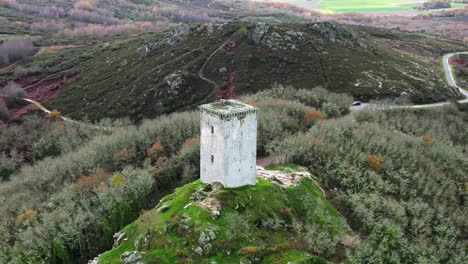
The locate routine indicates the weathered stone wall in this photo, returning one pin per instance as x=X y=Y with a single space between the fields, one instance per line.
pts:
x=211 y=144
x=233 y=146
x=240 y=144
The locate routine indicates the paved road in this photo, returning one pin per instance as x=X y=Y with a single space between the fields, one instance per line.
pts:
x=451 y=82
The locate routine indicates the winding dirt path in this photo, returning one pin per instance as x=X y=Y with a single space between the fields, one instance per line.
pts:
x=66 y=119
x=202 y=76
x=267 y=161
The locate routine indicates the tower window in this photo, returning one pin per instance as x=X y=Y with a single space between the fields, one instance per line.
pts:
x=212 y=129
x=212 y=158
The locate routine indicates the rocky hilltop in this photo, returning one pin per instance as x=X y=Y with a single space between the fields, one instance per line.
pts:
x=210 y=224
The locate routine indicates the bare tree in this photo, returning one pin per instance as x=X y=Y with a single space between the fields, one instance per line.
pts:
x=47 y=27
x=13 y=50
x=13 y=93
x=4 y=115
x=47 y=11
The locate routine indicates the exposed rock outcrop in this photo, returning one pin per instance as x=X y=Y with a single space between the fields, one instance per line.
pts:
x=206 y=199
x=281 y=178
x=175 y=81
x=131 y=257
x=118 y=238
x=258 y=32
x=175 y=35
x=275 y=38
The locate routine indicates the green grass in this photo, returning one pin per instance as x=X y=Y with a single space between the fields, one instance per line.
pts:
x=169 y=242
x=341 y=6
x=10 y=36
x=283 y=167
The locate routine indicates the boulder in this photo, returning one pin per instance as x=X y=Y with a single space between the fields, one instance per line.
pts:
x=175 y=81
x=94 y=261
x=258 y=32
x=131 y=257
x=281 y=178
x=118 y=238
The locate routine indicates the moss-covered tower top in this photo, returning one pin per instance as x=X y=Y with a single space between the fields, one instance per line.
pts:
x=228 y=108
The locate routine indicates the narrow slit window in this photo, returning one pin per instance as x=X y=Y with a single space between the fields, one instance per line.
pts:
x=212 y=129
x=212 y=158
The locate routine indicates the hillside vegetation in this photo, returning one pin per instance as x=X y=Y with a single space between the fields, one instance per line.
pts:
x=460 y=65
x=101 y=58
x=158 y=73
x=395 y=176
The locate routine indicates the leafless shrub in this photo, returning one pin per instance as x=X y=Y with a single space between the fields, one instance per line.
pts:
x=47 y=27
x=82 y=15
x=13 y=50
x=13 y=93
x=47 y=11
x=4 y=115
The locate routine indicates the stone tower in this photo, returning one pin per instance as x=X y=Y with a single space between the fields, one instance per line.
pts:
x=228 y=143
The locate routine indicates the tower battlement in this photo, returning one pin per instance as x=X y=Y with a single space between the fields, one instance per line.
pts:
x=228 y=108
x=228 y=143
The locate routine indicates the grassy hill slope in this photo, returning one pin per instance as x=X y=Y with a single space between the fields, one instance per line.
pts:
x=158 y=73
x=256 y=223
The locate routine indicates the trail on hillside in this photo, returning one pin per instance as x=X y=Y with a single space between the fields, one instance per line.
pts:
x=446 y=65
x=66 y=119
x=202 y=76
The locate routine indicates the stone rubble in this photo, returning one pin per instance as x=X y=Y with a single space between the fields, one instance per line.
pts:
x=131 y=257
x=284 y=179
x=118 y=238
x=204 y=197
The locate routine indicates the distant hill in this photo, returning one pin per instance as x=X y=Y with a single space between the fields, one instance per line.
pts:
x=158 y=73
x=148 y=74
x=107 y=58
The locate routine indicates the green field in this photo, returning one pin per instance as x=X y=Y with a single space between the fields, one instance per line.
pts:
x=340 y=6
